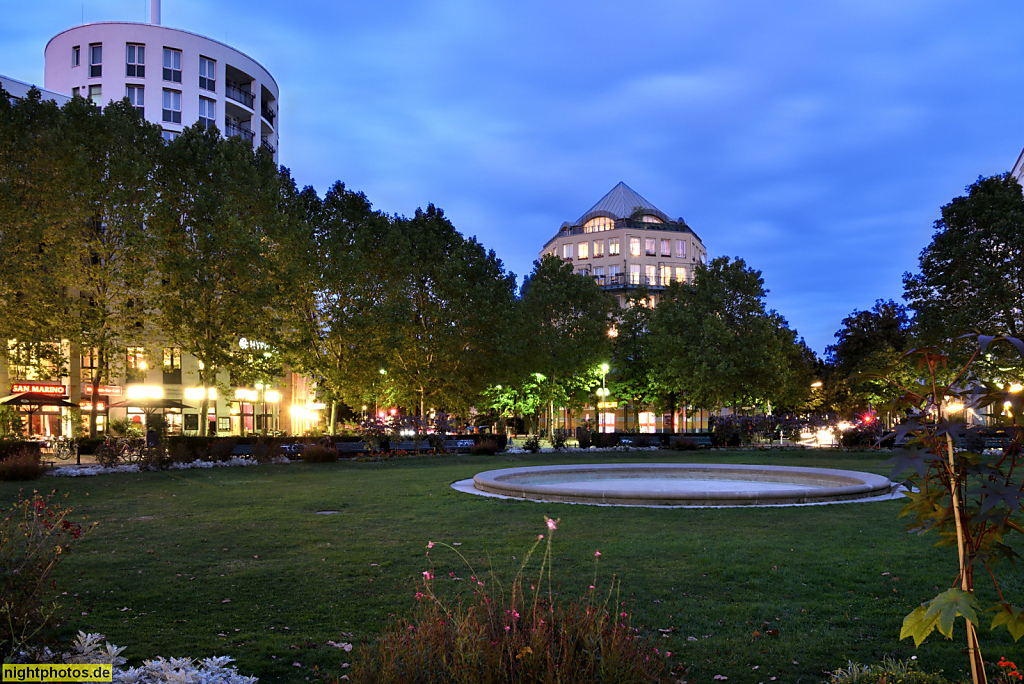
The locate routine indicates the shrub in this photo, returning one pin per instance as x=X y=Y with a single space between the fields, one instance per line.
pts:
x=25 y=465
x=266 y=450
x=36 y=534
x=889 y=670
x=583 y=439
x=221 y=449
x=684 y=444
x=11 y=423
x=558 y=439
x=88 y=445
x=318 y=453
x=12 y=447
x=509 y=635
x=485 y=447
x=532 y=444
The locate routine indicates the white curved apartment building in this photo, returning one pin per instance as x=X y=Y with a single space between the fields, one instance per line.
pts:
x=174 y=77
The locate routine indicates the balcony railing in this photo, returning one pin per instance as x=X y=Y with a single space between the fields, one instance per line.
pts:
x=621 y=281
x=266 y=143
x=236 y=93
x=233 y=129
x=268 y=113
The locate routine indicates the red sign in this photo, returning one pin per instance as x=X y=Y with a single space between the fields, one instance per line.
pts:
x=105 y=390
x=39 y=388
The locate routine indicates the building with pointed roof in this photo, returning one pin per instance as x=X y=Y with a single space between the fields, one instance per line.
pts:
x=624 y=242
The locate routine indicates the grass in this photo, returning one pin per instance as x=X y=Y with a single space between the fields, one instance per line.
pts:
x=237 y=561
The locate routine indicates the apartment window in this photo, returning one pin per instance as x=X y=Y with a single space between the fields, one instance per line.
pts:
x=634 y=274
x=172 y=106
x=680 y=249
x=90 y=364
x=666 y=248
x=634 y=246
x=172 y=366
x=599 y=275
x=172 y=65
x=168 y=136
x=649 y=274
x=651 y=247
x=598 y=248
x=583 y=250
x=613 y=247
x=664 y=275
x=96 y=60
x=136 y=95
x=136 y=61
x=207 y=113
x=208 y=74
x=567 y=252
x=96 y=94
x=76 y=56
x=76 y=91
x=680 y=274
x=135 y=364
x=613 y=274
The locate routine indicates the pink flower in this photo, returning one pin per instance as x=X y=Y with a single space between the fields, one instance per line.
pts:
x=427 y=575
x=539 y=537
x=597 y=554
x=552 y=524
x=591 y=586
x=430 y=545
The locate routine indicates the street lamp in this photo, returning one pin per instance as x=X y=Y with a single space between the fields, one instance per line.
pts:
x=602 y=392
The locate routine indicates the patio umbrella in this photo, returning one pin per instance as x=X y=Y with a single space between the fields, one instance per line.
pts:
x=150 y=405
x=31 y=402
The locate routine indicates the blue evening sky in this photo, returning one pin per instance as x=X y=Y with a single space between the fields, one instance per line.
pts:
x=816 y=140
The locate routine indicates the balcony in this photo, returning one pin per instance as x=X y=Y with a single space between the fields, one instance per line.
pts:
x=622 y=281
x=266 y=144
x=235 y=92
x=267 y=113
x=232 y=129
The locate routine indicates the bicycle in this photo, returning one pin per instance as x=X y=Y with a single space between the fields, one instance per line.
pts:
x=119 y=450
x=65 y=448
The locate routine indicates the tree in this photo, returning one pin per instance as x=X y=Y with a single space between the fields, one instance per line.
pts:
x=221 y=247
x=631 y=371
x=719 y=345
x=565 y=322
x=35 y=209
x=111 y=161
x=972 y=274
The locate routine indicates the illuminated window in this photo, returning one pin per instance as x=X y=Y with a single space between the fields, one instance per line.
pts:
x=136 y=95
x=665 y=275
x=680 y=249
x=583 y=250
x=567 y=252
x=649 y=274
x=76 y=56
x=599 y=275
x=648 y=218
x=95 y=60
x=172 y=106
x=90 y=365
x=207 y=113
x=634 y=274
x=135 y=364
x=680 y=274
x=651 y=247
x=172 y=65
x=172 y=359
x=207 y=74
x=666 y=248
x=598 y=248
x=648 y=422
x=634 y=246
x=136 y=61
x=613 y=246
x=96 y=94
x=598 y=224
x=613 y=274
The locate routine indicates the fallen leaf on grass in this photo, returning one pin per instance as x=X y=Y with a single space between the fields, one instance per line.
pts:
x=226 y=601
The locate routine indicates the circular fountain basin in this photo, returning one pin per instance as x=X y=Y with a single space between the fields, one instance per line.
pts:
x=681 y=484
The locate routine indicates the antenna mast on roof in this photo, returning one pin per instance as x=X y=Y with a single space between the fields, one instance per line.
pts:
x=154 y=12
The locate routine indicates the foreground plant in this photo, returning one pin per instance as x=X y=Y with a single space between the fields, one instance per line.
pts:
x=971 y=498
x=513 y=634
x=36 y=534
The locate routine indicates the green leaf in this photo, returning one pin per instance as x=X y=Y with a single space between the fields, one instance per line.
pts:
x=919 y=625
x=1012 y=617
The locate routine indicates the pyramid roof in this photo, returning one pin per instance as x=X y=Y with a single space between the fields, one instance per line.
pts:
x=621 y=202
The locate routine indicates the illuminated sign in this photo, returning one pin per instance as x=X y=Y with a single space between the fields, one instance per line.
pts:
x=39 y=388
x=607 y=404
x=87 y=406
x=105 y=390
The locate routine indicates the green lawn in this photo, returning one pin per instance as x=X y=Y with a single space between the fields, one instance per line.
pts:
x=236 y=561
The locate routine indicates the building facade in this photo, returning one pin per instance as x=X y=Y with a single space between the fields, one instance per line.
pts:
x=173 y=77
x=624 y=242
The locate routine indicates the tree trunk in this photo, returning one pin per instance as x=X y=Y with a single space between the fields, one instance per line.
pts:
x=334 y=419
x=97 y=373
